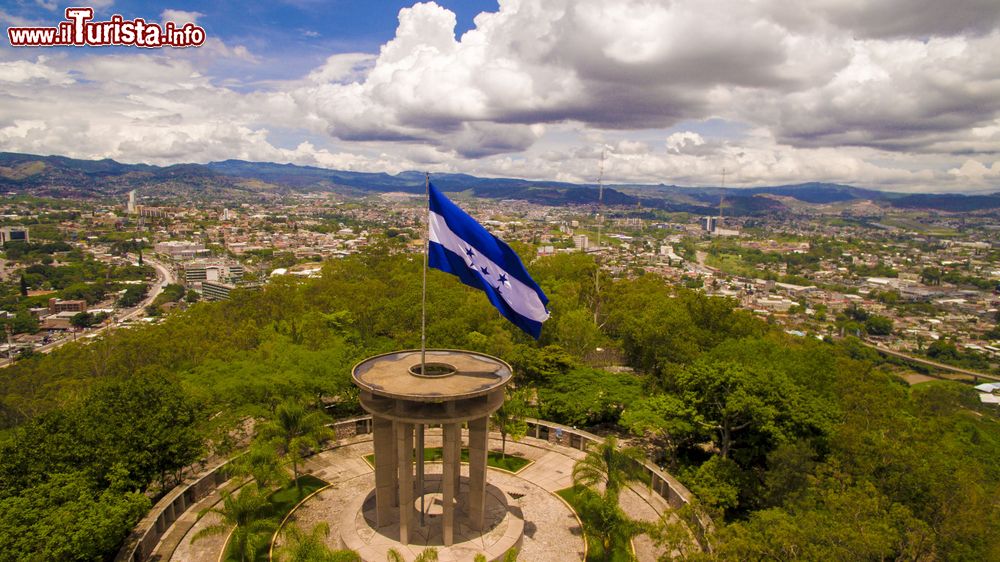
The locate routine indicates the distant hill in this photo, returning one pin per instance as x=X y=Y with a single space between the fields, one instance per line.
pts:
x=59 y=176
x=821 y=193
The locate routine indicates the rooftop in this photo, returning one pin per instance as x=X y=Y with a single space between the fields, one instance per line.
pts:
x=459 y=374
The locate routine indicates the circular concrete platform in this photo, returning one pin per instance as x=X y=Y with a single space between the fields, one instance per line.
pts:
x=504 y=528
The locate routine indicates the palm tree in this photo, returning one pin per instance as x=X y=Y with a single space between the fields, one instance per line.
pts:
x=509 y=419
x=261 y=463
x=607 y=465
x=429 y=554
x=246 y=513
x=606 y=522
x=296 y=430
x=311 y=547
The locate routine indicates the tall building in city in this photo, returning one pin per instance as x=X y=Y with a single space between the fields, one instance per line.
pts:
x=193 y=273
x=14 y=234
x=216 y=291
x=131 y=202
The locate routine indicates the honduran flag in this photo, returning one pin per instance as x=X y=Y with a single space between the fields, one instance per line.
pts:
x=461 y=246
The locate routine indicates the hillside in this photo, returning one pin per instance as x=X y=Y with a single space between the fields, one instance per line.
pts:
x=59 y=176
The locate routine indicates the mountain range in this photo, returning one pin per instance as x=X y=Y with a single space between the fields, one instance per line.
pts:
x=59 y=176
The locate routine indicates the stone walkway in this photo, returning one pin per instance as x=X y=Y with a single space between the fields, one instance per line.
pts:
x=551 y=533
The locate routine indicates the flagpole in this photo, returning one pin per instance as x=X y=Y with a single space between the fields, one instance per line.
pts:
x=423 y=344
x=423 y=296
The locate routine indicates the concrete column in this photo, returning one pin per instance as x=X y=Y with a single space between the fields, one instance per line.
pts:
x=448 y=490
x=458 y=461
x=404 y=457
x=421 y=490
x=385 y=469
x=478 y=448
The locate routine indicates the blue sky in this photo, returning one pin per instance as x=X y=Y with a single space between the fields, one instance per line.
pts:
x=673 y=92
x=294 y=36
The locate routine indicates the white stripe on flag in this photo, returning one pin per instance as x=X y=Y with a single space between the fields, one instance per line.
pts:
x=522 y=298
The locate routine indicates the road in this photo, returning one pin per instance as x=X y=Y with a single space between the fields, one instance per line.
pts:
x=164 y=277
x=928 y=363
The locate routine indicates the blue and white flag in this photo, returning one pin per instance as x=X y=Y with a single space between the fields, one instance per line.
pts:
x=461 y=246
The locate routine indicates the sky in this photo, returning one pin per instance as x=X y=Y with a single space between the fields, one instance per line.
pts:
x=900 y=95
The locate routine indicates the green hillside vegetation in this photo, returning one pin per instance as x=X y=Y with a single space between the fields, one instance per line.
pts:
x=800 y=449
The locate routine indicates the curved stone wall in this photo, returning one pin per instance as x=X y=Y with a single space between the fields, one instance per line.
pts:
x=151 y=529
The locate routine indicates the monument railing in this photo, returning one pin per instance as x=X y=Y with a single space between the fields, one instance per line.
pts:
x=663 y=484
x=147 y=533
x=143 y=539
x=141 y=542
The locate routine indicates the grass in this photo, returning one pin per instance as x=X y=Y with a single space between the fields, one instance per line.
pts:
x=578 y=497
x=510 y=463
x=282 y=502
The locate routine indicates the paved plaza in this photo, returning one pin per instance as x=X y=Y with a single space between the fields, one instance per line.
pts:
x=552 y=531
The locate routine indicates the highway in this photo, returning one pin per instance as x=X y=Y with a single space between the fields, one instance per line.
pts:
x=934 y=364
x=164 y=277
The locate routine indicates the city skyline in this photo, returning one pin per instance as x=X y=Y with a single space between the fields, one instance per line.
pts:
x=882 y=95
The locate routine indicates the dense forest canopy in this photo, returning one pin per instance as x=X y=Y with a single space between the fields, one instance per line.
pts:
x=800 y=448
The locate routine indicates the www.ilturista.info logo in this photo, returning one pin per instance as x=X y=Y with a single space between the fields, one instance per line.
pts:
x=78 y=30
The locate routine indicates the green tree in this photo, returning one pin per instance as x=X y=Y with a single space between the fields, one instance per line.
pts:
x=296 y=430
x=429 y=554
x=836 y=521
x=930 y=276
x=23 y=321
x=608 y=525
x=610 y=467
x=665 y=420
x=67 y=518
x=878 y=325
x=734 y=402
x=144 y=422
x=300 y=546
x=509 y=418
x=246 y=513
x=943 y=349
x=584 y=396
x=261 y=463
x=82 y=320
x=133 y=296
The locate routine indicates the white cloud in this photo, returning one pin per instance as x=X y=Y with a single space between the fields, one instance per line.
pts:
x=836 y=91
x=50 y=5
x=180 y=17
x=342 y=67
x=679 y=142
x=9 y=19
x=39 y=72
x=976 y=172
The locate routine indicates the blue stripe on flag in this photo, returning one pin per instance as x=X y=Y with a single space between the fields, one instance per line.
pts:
x=479 y=238
x=441 y=258
x=477 y=242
